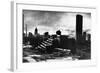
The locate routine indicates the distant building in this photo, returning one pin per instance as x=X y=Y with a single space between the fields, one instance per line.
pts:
x=46 y=36
x=79 y=26
x=58 y=32
x=89 y=37
x=36 y=32
x=30 y=35
x=84 y=36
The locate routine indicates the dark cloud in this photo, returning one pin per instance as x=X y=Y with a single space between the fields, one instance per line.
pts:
x=52 y=20
x=42 y=18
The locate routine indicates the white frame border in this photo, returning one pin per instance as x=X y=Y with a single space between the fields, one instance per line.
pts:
x=15 y=66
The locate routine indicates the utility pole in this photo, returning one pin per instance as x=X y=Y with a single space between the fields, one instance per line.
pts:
x=26 y=30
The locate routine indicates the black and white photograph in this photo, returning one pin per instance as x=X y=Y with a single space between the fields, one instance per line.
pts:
x=50 y=36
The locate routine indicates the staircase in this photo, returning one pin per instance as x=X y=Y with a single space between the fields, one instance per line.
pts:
x=44 y=44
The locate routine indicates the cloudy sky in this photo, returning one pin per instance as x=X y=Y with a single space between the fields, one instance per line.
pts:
x=51 y=21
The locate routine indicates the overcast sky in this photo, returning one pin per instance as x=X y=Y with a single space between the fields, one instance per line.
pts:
x=50 y=21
